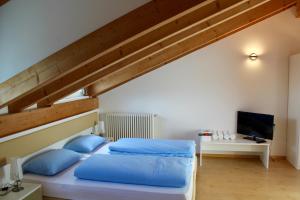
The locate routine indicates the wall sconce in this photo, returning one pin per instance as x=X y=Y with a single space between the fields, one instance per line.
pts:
x=253 y=56
x=16 y=174
x=101 y=128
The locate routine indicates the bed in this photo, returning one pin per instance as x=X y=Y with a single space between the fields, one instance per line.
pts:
x=66 y=186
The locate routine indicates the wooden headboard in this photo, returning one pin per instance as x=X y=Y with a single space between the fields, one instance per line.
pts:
x=35 y=141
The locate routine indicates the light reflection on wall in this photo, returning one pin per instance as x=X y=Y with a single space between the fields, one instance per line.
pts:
x=253 y=64
x=257 y=48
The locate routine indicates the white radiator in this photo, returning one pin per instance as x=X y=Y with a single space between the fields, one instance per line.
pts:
x=130 y=125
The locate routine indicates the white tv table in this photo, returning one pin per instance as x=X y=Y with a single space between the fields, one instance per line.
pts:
x=237 y=145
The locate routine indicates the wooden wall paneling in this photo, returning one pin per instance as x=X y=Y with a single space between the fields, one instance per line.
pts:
x=111 y=36
x=12 y=123
x=220 y=14
x=33 y=140
x=205 y=38
x=176 y=25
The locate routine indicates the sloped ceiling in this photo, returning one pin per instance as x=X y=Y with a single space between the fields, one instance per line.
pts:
x=32 y=30
x=140 y=41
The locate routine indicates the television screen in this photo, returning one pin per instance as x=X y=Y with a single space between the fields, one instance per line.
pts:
x=254 y=124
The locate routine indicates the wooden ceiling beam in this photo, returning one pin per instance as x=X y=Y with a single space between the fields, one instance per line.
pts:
x=162 y=38
x=16 y=122
x=195 y=22
x=298 y=9
x=177 y=24
x=2 y=2
x=225 y=29
x=122 y=30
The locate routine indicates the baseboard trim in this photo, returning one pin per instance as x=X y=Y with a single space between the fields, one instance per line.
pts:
x=276 y=158
x=228 y=156
x=273 y=158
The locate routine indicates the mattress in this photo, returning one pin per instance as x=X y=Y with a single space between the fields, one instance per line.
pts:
x=66 y=186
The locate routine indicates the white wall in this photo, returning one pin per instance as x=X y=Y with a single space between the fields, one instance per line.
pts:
x=31 y=30
x=293 y=134
x=206 y=88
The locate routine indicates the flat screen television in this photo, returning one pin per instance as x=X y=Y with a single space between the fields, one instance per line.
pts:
x=255 y=124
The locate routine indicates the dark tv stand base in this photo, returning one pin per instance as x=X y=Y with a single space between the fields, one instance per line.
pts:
x=256 y=139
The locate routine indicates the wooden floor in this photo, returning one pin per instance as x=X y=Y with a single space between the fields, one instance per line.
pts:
x=247 y=179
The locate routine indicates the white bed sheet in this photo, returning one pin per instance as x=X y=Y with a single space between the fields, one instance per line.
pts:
x=65 y=185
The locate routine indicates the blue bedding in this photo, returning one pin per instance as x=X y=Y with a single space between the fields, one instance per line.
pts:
x=177 y=148
x=138 y=169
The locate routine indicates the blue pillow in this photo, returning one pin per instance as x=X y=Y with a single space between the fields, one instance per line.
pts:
x=51 y=162
x=85 y=144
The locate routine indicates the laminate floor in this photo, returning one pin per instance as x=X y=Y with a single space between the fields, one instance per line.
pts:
x=247 y=179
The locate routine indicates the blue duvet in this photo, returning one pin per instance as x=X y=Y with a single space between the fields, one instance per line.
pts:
x=179 y=148
x=138 y=169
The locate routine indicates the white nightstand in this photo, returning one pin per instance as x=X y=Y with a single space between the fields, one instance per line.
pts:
x=31 y=192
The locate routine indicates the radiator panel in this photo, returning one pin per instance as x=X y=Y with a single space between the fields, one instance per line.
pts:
x=130 y=125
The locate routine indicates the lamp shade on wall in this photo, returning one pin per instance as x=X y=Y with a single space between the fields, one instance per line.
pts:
x=16 y=169
x=101 y=127
x=253 y=56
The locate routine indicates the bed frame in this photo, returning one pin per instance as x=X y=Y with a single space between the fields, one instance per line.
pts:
x=195 y=179
x=61 y=143
x=88 y=119
x=194 y=185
